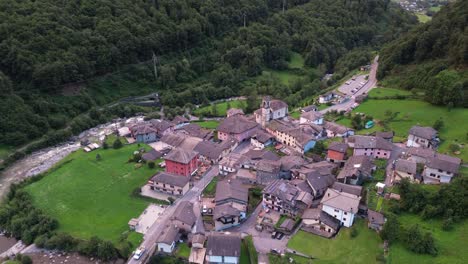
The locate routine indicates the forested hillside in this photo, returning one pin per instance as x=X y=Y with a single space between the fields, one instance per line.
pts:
x=206 y=50
x=432 y=58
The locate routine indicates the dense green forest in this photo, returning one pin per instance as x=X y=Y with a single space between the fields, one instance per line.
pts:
x=432 y=58
x=205 y=50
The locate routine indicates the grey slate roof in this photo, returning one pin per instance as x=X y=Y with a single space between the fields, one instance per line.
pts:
x=407 y=166
x=234 y=111
x=310 y=108
x=385 y=135
x=171 y=179
x=231 y=189
x=312 y=115
x=370 y=142
x=195 y=130
x=341 y=200
x=287 y=224
x=181 y=156
x=268 y=166
x=277 y=104
x=236 y=125
x=152 y=155
x=222 y=244
x=320 y=182
x=209 y=149
x=444 y=162
x=184 y=213
x=318 y=214
x=225 y=210
x=423 y=132
x=421 y=152
x=169 y=235
x=352 y=189
x=336 y=128
x=362 y=165
x=338 y=146
x=173 y=139
x=375 y=217
x=262 y=136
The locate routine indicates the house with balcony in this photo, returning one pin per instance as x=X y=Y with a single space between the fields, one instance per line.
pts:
x=169 y=183
x=422 y=137
x=284 y=197
x=375 y=147
x=441 y=169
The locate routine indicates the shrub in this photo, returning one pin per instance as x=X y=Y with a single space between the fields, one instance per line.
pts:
x=354 y=233
x=105 y=145
x=454 y=148
x=151 y=164
x=447 y=224
x=117 y=144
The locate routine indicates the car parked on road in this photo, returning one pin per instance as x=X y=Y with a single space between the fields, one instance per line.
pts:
x=138 y=253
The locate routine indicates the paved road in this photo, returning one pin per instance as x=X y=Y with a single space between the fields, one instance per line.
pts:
x=153 y=233
x=367 y=87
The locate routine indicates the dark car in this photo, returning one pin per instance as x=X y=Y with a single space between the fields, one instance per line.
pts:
x=279 y=235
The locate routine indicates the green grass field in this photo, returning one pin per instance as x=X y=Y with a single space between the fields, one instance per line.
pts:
x=286 y=77
x=93 y=198
x=221 y=108
x=382 y=92
x=209 y=124
x=415 y=112
x=297 y=61
x=342 y=249
x=451 y=244
x=210 y=189
x=183 y=250
x=423 y=18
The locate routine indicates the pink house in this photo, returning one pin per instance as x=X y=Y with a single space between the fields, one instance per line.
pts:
x=181 y=162
x=372 y=146
x=237 y=127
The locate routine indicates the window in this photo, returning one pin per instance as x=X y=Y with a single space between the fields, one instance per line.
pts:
x=336 y=210
x=385 y=154
x=345 y=213
x=344 y=219
x=378 y=153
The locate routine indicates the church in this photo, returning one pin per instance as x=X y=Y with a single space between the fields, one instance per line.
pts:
x=270 y=110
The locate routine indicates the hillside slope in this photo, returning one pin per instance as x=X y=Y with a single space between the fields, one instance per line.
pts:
x=205 y=52
x=433 y=58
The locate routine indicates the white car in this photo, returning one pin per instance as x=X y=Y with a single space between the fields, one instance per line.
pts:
x=138 y=253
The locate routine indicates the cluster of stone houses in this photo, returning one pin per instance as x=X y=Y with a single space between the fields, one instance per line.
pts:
x=325 y=193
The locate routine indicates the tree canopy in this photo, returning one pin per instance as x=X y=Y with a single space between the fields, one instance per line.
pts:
x=432 y=57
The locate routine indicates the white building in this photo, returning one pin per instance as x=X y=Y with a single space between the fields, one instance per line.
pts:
x=341 y=205
x=167 y=240
x=422 y=137
x=441 y=169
